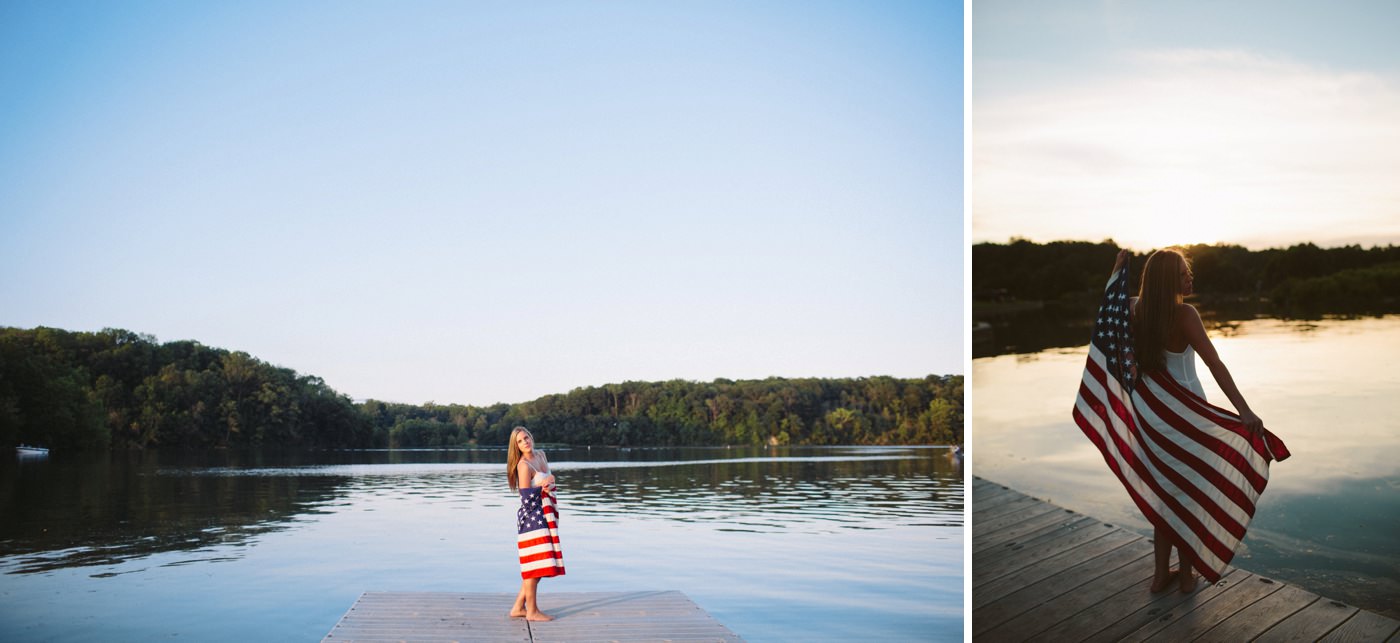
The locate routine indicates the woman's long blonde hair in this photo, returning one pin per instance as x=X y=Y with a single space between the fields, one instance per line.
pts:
x=1158 y=298
x=513 y=455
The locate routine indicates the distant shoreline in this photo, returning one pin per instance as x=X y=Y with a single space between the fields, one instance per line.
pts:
x=116 y=389
x=1299 y=281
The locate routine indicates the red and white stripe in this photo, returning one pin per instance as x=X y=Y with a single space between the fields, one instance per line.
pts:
x=1189 y=466
x=540 y=552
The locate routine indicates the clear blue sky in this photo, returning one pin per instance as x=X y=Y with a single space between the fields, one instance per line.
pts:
x=483 y=202
x=1258 y=122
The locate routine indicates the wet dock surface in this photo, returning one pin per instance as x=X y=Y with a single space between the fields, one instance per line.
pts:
x=1043 y=572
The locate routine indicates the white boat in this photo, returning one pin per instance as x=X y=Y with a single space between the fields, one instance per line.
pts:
x=27 y=451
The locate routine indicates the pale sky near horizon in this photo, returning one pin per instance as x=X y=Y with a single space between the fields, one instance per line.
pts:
x=1259 y=123
x=477 y=203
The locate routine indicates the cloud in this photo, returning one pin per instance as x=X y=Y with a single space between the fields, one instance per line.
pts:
x=1191 y=145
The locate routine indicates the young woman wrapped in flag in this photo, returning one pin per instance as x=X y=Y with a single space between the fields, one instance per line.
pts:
x=1194 y=469
x=537 y=522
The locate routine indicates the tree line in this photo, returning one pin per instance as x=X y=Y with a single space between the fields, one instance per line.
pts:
x=119 y=389
x=1302 y=279
x=81 y=390
x=775 y=411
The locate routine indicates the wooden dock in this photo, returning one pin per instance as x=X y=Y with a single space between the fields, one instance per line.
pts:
x=1042 y=572
x=579 y=617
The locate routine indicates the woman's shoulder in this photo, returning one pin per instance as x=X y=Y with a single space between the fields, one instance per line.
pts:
x=1189 y=324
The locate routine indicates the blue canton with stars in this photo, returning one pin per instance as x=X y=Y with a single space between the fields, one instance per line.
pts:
x=530 y=516
x=1113 y=333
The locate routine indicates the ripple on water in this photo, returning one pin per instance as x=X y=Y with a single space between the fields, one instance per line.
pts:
x=818 y=538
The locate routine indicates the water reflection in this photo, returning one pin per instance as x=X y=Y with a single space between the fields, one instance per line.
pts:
x=1331 y=517
x=772 y=495
x=1064 y=324
x=104 y=509
x=135 y=540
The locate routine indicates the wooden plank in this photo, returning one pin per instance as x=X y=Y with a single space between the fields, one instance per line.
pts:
x=1008 y=514
x=980 y=484
x=1311 y=623
x=1023 y=613
x=1044 y=568
x=414 y=638
x=1141 y=607
x=1071 y=537
x=1061 y=526
x=1068 y=524
x=419 y=617
x=1025 y=514
x=1010 y=506
x=580 y=616
x=990 y=538
x=1104 y=605
x=996 y=493
x=995 y=498
x=1263 y=614
x=990 y=491
x=1039 y=573
x=1187 y=625
x=382 y=635
x=1364 y=626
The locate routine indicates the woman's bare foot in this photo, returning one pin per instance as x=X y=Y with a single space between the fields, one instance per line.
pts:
x=1161 y=579
x=538 y=616
x=1187 y=580
x=516 y=612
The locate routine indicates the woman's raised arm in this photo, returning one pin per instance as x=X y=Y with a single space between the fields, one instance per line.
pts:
x=1195 y=331
x=1123 y=256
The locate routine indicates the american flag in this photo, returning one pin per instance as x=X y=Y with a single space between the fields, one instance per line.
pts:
x=538 y=540
x=1191 y=467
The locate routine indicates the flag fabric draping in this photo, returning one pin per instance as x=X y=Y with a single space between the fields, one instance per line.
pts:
x=538 y=540
x=1190 y=467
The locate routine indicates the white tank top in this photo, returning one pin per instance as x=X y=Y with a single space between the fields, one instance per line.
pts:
x=539 y=476
x=1182 y=367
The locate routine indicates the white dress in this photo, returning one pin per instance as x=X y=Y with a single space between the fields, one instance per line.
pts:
x=1182 y=367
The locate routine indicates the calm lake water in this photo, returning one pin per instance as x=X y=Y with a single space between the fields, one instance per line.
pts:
x=778 y=544
x=1330 y=519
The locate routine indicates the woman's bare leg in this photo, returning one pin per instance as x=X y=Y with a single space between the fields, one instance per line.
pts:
x=532 y=606
x=518 y=609
x=1184 y=577
x=1161 y=559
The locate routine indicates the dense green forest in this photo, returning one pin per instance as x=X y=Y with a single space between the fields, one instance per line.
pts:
x=119 y=389
x=71 y=390
x=1299 y=280
x=873 y=410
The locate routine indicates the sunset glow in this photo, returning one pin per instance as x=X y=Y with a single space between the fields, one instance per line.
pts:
x=1155 y=145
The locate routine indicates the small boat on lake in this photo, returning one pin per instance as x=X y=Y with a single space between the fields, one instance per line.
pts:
x=26 y=451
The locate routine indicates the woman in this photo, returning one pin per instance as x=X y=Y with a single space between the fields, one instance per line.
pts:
x=536 y=521
x=1167 y=335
